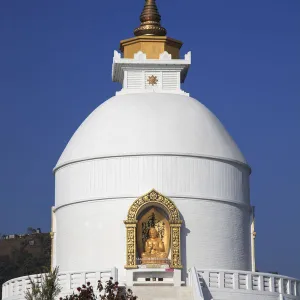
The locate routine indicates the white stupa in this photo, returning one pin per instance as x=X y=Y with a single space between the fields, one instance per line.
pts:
x=152 y=149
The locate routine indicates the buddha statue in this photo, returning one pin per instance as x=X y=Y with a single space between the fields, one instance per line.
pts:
x=154 y=249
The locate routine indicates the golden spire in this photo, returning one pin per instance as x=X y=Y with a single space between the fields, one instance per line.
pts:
x=150 y=21
x=150 y=38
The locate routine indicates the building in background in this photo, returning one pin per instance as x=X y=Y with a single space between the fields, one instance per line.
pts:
x=156 y=189
x=24 y=254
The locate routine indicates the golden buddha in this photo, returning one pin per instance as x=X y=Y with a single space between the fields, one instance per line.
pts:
x=154 y=249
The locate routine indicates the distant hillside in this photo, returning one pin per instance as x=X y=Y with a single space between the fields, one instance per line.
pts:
x=24 y=255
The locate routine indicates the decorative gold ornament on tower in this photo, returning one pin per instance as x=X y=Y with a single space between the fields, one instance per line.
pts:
x=150 y=21
x=152 y=80
x=150 y=37
x=152 y=238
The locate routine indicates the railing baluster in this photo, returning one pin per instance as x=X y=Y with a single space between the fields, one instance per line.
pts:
x=289 y=287
x=272 y=284
x=221 y=280
x=261 y=283
x=236 y=284
x=249 y=281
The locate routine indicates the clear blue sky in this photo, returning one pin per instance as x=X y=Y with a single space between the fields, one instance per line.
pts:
x=55 y=68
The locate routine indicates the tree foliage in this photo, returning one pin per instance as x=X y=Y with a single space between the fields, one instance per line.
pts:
x=47 y=289
x=21 y=262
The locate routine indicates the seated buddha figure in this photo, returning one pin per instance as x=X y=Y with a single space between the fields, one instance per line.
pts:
x=154 y=249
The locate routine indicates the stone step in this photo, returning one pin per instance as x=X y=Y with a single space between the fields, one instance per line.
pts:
x=162 y=293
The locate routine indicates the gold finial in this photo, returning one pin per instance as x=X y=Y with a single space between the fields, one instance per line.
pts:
x=150 y=21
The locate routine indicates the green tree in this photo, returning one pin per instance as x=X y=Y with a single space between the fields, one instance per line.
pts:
x=47 y=289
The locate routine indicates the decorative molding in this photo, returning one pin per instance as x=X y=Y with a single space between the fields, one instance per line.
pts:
x=140 y=56
x=165 y=56
x=216 y=158
x=190 y=198
x=153 y=197
x=117 y=56
x=188 y=57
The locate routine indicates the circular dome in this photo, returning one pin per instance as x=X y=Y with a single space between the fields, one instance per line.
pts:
x=151 y=123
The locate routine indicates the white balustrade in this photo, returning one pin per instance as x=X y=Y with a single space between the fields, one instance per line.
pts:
x=195 y=283
x=249 y=281
x=15 y=289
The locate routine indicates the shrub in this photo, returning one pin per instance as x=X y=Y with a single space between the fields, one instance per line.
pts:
x=111 y=291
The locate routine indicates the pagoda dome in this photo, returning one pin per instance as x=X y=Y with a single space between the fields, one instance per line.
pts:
x=151 y=124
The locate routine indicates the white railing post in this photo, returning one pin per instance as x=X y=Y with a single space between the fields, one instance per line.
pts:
x=24 y=286
x=281 y=289
x=236 y=280
x=272 y=284
x=293 y=287
x=4 y=291
x=114 y=273
x=261 y=283
x=249 y=281
x=196 y=285
x=221 y=279
x=68 y=282
x=83 y=278
x=289 y=287
x=98 y=277
x=11 y=290
x=281 y=297
x=189 y=277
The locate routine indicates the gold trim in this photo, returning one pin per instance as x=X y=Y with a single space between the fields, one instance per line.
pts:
x=176 y=253
x=131 y=246
x=153 y=198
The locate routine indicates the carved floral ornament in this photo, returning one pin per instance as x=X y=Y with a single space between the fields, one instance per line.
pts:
x=152 y=80
x=155 y=199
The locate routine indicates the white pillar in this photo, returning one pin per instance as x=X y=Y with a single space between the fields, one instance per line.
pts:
x=114 y=274
x=53 y=239
x=129 y=278
x=177 y=277
x=253 y=235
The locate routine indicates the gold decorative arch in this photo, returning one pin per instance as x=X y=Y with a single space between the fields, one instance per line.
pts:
x=156 y=199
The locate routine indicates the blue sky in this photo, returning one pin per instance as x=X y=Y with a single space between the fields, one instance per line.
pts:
x=55 y=68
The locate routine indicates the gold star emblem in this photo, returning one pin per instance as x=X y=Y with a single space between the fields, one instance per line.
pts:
x=152 y=80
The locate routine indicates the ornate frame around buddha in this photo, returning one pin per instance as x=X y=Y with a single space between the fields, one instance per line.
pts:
x=155 y=199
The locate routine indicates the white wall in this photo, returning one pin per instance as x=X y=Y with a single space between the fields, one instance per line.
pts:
x=93 y=198
x=132 y=176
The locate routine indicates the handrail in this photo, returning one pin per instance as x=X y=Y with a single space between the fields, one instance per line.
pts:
x=68 y=280
x=247 y=272
x=195 y=284
x=250 y=281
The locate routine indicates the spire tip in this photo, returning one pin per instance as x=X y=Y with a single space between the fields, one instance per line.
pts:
x=150 y=21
